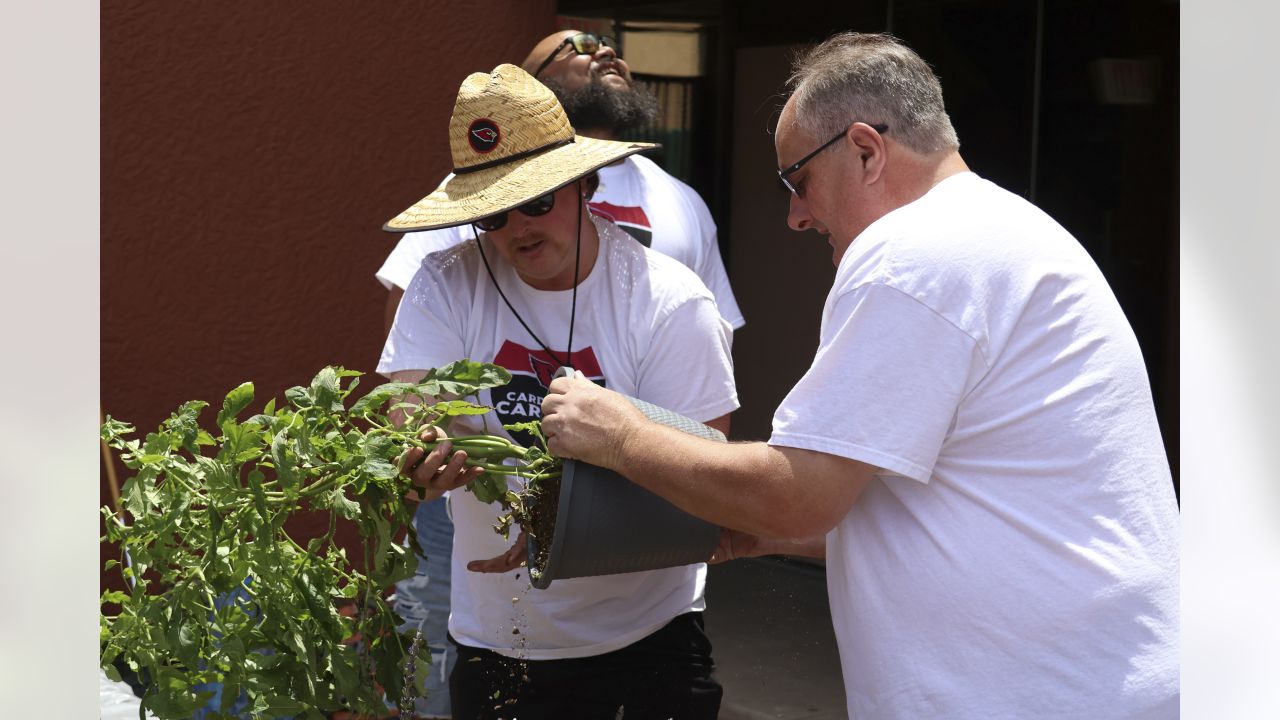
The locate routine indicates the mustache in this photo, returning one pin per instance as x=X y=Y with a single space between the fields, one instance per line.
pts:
x=530 y=238
x=599 y=67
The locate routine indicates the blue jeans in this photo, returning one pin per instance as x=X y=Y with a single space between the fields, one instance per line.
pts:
x=423 y=602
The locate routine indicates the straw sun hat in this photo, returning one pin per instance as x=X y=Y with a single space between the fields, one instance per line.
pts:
x=511 y=142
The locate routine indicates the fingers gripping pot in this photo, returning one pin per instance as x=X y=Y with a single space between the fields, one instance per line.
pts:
x=606 y=524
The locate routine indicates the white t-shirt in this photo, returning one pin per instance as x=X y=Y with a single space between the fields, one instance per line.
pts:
x=657 y=209
x=1019 y=554
x=646 y=327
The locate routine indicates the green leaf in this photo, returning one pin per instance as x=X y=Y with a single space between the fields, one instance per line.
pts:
x=187 y=644
x=134 y=494
x=379 y=450
x=379 y=446
x=285 y=461
x=380 y=469
x=381 y=537
x=400 y=564
x=260 y=661
x=302 y=444
x=379 y=397
x=345 y=668
x=489 y=487
x=215 y=522
x=463 y=377
x=218 y=477
x=233 y=648
x=113 y=429
x=156 y=448
x=421 y=670
x=184 y=424
x=282 y=706
x=532 y=427
x=235 y=401
x=243 y=443
x=230 y=695
x=259 y=497
x=299 y=397
x=314 y=601
x=460 y=407
x=324 y=388
x=342 y=505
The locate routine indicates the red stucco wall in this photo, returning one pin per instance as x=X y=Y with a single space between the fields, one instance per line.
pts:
x=250 y=153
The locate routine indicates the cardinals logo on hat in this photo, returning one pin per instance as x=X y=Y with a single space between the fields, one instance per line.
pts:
x=518 y=146
x=483 y=135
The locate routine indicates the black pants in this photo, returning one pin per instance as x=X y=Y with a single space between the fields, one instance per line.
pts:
x=666 y=675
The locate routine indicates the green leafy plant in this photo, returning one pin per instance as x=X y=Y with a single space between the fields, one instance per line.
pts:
x=220 y=593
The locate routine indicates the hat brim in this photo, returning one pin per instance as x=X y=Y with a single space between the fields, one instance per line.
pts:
x=465 y=198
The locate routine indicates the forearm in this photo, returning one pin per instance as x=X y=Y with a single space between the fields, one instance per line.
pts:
x=751 y=487
x=772 y=492
x=393 y=304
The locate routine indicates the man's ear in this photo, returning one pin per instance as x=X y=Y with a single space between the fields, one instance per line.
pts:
x=589 y=185
x=870 y=147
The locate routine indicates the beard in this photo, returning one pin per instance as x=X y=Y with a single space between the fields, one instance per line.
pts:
x=598 y=106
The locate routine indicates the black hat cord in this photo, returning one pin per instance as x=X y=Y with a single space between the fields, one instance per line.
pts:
x=573 y=308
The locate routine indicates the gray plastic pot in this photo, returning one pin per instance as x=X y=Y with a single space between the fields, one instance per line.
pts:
x=606 y=524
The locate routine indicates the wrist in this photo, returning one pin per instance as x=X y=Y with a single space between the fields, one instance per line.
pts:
x=627 y=437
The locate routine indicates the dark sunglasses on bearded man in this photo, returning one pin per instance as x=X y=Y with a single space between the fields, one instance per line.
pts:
x=583 y=44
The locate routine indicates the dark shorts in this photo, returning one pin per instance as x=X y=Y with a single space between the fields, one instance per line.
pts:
x=664 y=676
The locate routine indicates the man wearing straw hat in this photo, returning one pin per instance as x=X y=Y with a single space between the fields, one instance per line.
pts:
x=974 y=448
x=594 y=85
x=596 y=90
x=545 y=284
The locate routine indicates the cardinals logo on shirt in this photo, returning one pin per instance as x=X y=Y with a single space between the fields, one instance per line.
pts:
x=521 y=399
x=631 y=219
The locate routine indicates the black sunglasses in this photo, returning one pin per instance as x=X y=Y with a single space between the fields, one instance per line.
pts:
x=782 y=174
x=533 y=208
x=583 y=44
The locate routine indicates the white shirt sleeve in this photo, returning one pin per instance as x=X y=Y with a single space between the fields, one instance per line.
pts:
x=688 y=368
x=405 y=259
x=885 y=385
x=425 y=333
x=710 y=265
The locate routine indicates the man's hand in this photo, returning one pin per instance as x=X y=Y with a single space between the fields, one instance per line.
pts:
x=436 y=472
x=584 y=421
x=509 y=560
x=735 y=544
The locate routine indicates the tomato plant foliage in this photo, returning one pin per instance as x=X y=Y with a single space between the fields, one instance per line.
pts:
x=219 y=591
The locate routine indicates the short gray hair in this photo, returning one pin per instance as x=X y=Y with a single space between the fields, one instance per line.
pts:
x=872 y=78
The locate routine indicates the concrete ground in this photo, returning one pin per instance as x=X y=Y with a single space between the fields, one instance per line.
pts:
x=771 y=635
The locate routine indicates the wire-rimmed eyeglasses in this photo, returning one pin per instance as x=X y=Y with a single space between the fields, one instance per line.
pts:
x=782 y=174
